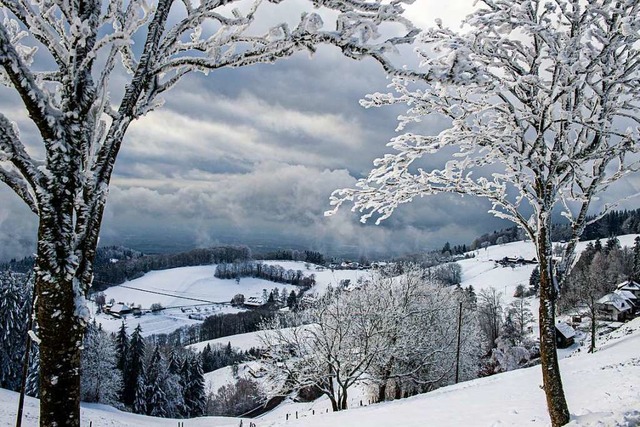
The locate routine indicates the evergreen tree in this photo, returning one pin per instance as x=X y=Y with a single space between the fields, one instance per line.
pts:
x=197 y=396
x=32 y=387
x=598 y=245
x=122 y=347
x=14 y=313
x=193 y=387
x=636 y=260
x=160 y=389
x=100 y=379
x=134 y=368
x=292 y=301
x=534 y=280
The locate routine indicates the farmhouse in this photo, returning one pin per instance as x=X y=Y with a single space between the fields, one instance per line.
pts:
x=614 y=307
x=119 y=309
x=254 y=302
x=565 y=335
x=631 y=299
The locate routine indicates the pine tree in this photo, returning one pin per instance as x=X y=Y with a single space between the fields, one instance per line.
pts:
x=636 y=260
x=122 y=347
x=134 y=368
x=292 y=301
x=193 y=392
x=160 y=389
x=534 y=279
x=14 y=313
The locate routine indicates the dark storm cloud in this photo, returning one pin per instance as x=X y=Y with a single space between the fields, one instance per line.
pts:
x=251 y=156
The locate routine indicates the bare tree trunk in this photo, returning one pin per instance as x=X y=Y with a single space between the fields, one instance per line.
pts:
x=556 y=402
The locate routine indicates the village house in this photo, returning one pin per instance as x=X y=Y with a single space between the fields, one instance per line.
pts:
x=119 y=309
x=613 y=307
x=630 y=297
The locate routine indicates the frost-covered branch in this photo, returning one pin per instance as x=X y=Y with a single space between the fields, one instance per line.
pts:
x=22 y=79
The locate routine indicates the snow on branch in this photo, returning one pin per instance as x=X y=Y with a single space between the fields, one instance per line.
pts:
x=16 y=67
x=542 y=106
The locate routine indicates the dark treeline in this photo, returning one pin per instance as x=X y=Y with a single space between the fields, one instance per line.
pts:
x=223 y=325
x=115 y=273
x=313 y=257
x=216 y=326
x=614 y=223
x=273 y=273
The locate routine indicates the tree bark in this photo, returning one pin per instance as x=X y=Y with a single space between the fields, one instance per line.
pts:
x=61 y=336
x=552 y=381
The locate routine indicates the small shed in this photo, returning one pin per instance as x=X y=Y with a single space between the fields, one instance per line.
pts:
x=565 y=335
x=614 y=307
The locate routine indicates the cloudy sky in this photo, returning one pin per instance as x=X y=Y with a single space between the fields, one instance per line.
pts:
x=251 y=155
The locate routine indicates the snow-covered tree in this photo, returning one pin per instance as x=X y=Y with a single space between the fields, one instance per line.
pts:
x=542 y=103
x=192 y=384
x=15 y=306
x=397 y=335
x=122 y=347
x=100 y=379
x=159 y=389
x=60 y=57
x=490 y=311
x=14 y=313
x=332 y=353
x=134 y=368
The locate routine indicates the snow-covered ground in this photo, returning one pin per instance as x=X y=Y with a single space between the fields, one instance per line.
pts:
x=603 y=389
x=195 y=292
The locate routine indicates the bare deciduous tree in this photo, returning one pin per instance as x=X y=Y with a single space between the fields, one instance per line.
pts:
x=542 y=101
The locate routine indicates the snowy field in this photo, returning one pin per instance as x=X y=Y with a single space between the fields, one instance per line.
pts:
x=603 y=389
x=195 y=292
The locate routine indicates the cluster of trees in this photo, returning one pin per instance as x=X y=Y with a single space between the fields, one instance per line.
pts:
x=506 y=330
x=219 y=356
x=447 y=249
x=235 y=399
x=226 y=324
x=500 y=237
x=273 y=273
x=448 y=274
x=596 y=273
x=399 y=334
x=150 y=380
x=613 y=223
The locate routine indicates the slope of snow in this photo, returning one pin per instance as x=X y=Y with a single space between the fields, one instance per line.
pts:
x=194 y=291
x=603 y=389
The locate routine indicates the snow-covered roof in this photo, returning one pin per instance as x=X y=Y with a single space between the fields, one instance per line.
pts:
x=254 y=301
x=629 y=285
x=616 y=301
x=566 y=330
x=119 y=308
x=628 y=295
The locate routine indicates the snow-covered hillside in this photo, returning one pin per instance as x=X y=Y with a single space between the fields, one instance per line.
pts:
x=190 y=292
x=603 y=389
